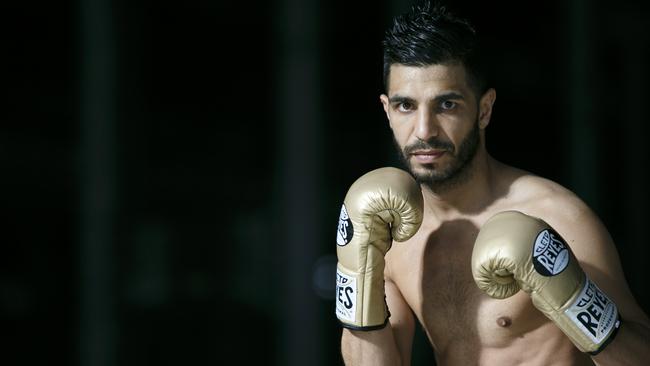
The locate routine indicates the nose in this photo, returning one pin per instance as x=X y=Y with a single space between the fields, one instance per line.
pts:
x=426 y=125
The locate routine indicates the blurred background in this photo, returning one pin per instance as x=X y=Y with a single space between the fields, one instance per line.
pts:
x=173 y=171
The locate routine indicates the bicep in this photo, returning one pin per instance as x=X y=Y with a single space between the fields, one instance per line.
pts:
x=595 y=250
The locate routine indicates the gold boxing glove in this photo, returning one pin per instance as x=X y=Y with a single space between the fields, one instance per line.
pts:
x=382 y=205
x=514 y=250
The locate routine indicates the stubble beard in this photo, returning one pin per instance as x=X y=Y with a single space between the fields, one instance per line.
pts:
x=455 y=174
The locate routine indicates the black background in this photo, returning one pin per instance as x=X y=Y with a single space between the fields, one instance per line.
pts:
x=212 y=186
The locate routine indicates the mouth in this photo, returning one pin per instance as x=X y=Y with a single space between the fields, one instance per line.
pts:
x=427 y=156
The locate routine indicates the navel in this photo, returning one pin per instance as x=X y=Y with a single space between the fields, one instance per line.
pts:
x=504 y=321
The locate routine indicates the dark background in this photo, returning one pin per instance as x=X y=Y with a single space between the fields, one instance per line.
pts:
x=173 y=171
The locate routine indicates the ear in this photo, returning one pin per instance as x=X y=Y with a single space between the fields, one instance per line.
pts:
x=485 y=107
x=384 y=101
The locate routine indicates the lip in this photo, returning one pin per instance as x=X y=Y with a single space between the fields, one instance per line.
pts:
x=427 y=156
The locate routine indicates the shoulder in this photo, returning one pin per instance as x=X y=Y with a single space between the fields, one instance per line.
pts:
x=539 y=196
x=561 y=208
x=571 y=217
x=545 y=197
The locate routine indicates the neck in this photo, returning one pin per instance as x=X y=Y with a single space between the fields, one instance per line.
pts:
x=469 y=195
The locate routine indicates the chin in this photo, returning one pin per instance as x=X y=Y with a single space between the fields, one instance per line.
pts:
x=424 y=172
x=423 y=169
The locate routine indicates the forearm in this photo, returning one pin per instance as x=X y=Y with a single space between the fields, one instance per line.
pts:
x=374 y=348
x=630 y=347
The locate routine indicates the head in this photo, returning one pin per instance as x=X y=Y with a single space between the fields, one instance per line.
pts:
x=436 y=98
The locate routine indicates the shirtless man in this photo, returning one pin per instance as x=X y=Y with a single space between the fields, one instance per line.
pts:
x=438 y=109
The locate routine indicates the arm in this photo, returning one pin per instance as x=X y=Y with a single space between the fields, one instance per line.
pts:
x=390 y=345
x=583 y=292
x=630 y=347
x=382 y=206
x=596 y=252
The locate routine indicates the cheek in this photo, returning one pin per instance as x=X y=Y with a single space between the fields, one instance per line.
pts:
x=461 y=136
x=457 y=130
x=401 y=133
x=401 y=126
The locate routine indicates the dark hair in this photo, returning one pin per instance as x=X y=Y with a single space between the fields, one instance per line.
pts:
x=430 y=35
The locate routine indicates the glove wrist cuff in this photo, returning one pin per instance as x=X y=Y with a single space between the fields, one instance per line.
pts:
x=610 y=338
x=364 y=328
x=591 y=321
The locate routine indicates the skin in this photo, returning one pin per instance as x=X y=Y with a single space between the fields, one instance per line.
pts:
x=428 y=278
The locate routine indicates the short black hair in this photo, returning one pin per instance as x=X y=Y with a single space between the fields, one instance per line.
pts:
x=430 y=34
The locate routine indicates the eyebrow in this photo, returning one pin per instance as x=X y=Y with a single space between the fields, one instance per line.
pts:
x=444 y=96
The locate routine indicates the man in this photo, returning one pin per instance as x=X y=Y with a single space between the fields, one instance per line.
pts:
x=438 y=108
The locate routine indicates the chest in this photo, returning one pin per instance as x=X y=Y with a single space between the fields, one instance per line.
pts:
x=434 y=273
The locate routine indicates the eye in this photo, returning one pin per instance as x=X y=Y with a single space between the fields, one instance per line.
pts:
x=447 y=105
x=405 y=106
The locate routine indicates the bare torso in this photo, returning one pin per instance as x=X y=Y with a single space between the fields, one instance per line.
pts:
x=466 y=327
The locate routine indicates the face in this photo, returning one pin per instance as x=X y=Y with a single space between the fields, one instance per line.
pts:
x=437 y=121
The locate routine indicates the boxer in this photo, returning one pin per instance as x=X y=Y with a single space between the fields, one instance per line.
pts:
x=497 y=265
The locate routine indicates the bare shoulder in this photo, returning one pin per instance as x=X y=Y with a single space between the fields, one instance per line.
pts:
x=563 y=210
x=537 y=196
x=548 y=199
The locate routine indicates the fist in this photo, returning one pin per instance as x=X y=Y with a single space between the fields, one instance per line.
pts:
x=382 y=205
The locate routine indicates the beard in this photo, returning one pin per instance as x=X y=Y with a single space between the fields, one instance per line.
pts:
x=455 y=173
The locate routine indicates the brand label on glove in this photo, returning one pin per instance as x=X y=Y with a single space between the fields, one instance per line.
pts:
x=346 y=296
x=594 y=313
x=550 y=253
x=345 y=230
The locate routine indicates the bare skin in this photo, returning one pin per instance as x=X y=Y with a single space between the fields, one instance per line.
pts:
x=428 y=278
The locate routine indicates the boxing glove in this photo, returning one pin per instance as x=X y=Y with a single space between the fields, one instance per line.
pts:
x=515 y=251
x=380 y=206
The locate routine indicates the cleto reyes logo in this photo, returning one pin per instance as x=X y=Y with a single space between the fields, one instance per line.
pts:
x=346 y=292
x=594 y=313
x=345 y=230
x=550 y=253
